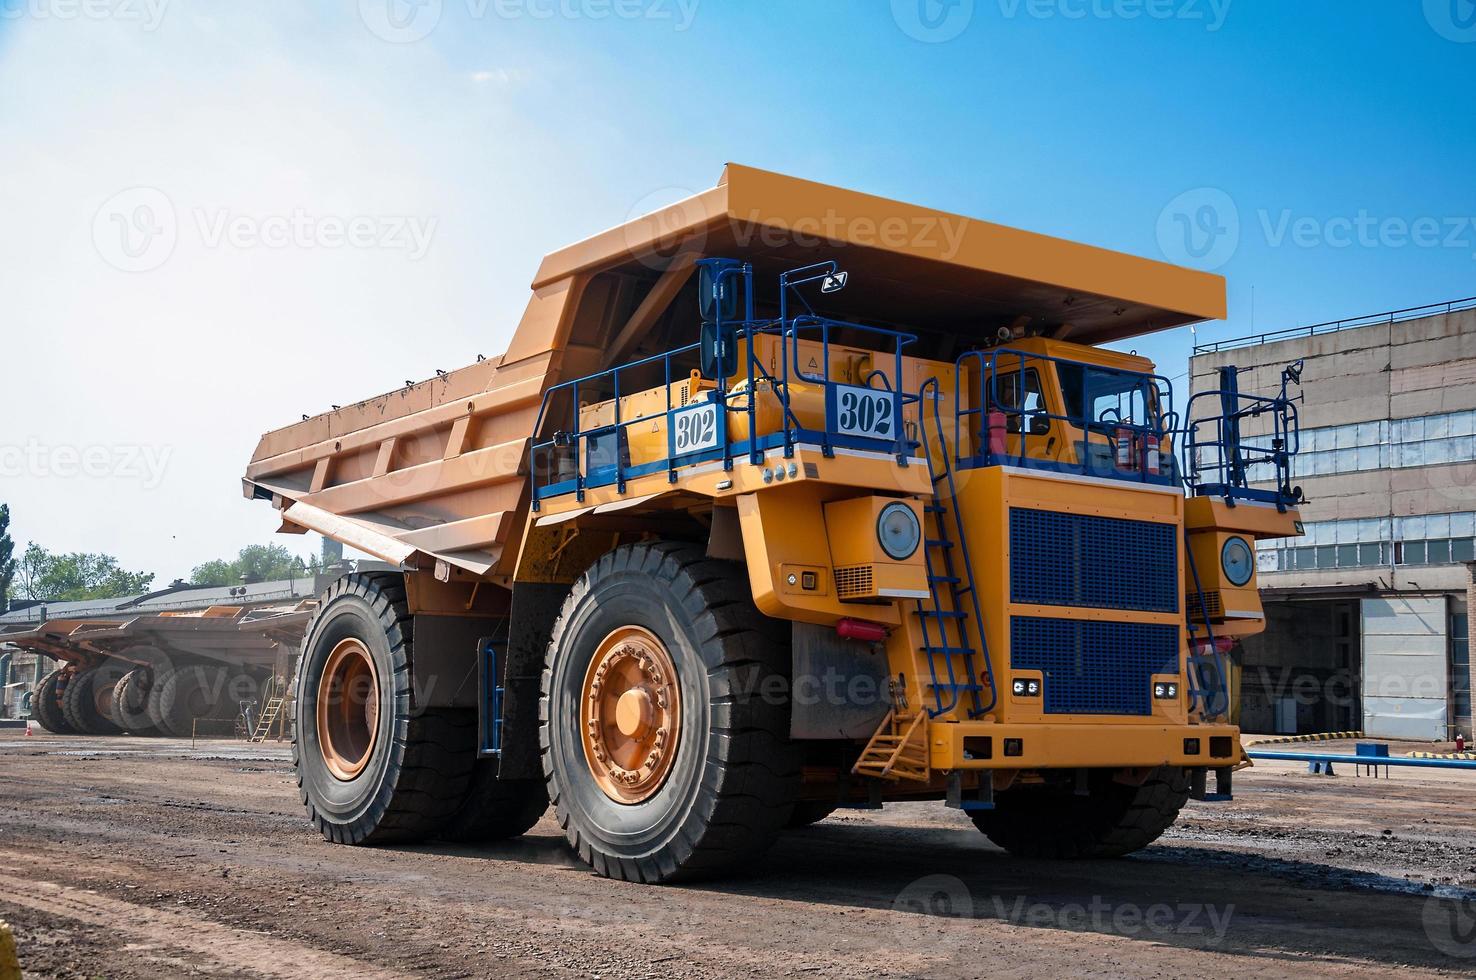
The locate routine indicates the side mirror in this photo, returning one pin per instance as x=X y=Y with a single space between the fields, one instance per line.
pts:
x=717 y=294
x=719 y=351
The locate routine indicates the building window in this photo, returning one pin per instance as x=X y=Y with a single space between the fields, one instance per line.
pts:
x=1429 y=441
x=1429 y=539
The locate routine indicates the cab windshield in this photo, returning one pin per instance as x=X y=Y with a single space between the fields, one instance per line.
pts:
x=1099 y=398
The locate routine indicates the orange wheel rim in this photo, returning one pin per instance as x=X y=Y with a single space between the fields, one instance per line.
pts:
x=630 y=714
x=348 y=709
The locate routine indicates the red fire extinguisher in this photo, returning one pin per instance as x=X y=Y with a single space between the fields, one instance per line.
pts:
x=1154 y=457
x=1124 y=441
x=997 y=431
x=1460 y=742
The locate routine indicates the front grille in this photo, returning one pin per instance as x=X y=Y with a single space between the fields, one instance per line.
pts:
x=1094 y=668
x=1059 y=559
x=852 y=581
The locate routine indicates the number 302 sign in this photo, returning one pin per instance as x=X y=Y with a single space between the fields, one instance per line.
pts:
x=864 y=412
x=694 y=429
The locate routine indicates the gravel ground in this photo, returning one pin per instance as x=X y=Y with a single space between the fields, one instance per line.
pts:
x=136 y=858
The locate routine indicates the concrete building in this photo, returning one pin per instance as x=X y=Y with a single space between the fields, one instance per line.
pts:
x=1369 y=614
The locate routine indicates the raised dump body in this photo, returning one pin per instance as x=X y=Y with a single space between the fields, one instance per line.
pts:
x=787 y=498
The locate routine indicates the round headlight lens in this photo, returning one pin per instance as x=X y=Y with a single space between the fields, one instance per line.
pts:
x=898 y=531
x=1238 y=561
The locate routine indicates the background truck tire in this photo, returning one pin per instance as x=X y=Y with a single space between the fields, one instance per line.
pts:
x=1053 y=822
x=809 y=812
x=188 y=693
x=731 y=785
x=46 y=705
x=415 y=773
x=84 y=697
x=495 y=809
x=131 y=702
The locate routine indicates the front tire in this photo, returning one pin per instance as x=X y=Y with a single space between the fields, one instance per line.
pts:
x=87 y=701
x=1112 y=820
x=664 y=717
x=370 y=768
x=46 y=705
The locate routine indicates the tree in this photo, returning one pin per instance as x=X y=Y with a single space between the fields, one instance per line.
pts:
x=7 y=557
x=64 y=578
x=257 y=562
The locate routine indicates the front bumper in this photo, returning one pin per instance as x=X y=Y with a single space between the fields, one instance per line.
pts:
x=981 y=745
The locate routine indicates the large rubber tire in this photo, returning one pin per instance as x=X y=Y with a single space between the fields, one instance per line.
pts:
x=809 y=812
x=733 y=780
x=131 y=702
x=185 y=694
x=495 y=809
x=416 y=773
x=1112 y=820
x=46 y=704
x=83 y=700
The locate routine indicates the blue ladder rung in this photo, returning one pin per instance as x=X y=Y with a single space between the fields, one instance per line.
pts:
x=949 y=579
x=948 y=651
x=934 y=509
x=944 y=613
x=939 y=543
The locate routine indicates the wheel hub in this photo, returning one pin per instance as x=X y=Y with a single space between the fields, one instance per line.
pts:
x=630 y=714
x=348 y=709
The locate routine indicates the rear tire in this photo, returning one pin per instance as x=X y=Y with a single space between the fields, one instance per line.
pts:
x=809 y=812
x=382 y=772
x=188 y=693
x=730 y=786
x=131 y=702
x=1053 y=822
x=46 y=705
x=83 y=698
x=495 y=809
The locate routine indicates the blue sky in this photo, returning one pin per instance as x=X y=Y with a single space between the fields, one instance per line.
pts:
x=496 y=130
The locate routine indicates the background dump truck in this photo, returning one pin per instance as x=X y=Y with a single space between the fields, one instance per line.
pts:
x=786 y=498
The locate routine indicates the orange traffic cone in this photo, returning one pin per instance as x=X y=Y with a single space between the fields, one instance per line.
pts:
x=28 y=729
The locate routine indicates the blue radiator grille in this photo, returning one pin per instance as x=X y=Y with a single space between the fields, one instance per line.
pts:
x=1094 y=668
x=1061 y=559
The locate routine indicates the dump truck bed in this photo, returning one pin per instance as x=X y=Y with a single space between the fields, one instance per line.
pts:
x=435 y=472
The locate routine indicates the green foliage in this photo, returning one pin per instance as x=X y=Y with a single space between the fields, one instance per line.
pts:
x=64 y=578
x=258 y=562
x=7 y=557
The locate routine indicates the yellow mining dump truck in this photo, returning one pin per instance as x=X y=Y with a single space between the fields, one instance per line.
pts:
x=782 y=499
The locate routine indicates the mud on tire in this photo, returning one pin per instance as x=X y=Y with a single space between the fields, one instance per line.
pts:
x=731 y=785
x=1115 y=819
x=417 y=765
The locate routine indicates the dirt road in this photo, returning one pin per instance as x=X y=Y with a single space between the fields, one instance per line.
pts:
x=137 y=858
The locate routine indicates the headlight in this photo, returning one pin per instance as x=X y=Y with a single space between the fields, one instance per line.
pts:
x=898 y=531
x=1238 y=561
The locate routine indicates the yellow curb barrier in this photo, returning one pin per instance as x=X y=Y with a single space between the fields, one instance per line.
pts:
x=1443 y=755
x=1320 y=737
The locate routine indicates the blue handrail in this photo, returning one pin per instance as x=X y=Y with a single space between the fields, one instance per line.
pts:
x=1220 y=466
